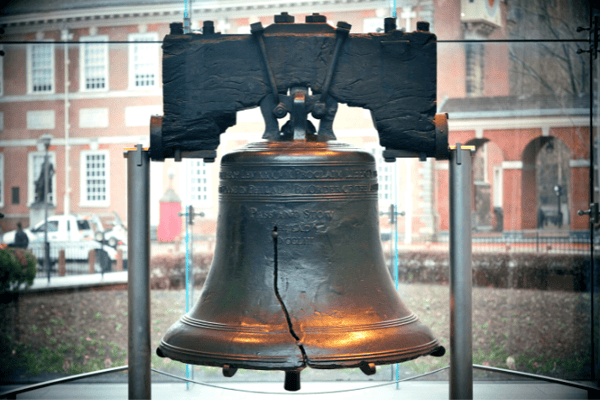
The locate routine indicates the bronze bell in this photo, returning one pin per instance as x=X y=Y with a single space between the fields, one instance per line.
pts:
x=298 y=277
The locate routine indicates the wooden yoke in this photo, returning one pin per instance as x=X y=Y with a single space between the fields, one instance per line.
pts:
x=209 y=77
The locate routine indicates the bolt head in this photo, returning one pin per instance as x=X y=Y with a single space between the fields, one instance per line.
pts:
x=423 y=26
x=280 y=111
x=319 y=110
x=176 y=28
x=316 y=18
x=256 y=28
x=344 y=26
x=284 y=18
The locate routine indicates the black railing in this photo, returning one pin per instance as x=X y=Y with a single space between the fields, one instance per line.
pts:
x=542 y=242
x=77 y=258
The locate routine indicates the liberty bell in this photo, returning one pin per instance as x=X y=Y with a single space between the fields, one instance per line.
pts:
x=298 y=277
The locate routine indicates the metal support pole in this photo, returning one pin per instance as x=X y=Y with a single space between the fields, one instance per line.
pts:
x=45 y=199
x=461 y=345
x=138 y=274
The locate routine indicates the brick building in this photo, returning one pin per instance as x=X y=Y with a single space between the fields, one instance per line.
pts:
x=77 y=80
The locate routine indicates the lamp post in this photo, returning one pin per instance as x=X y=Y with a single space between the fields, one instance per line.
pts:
x=558 y=192
x=45 y=139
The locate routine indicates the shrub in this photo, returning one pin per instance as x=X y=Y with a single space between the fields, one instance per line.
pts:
x=167 y=271
x=17 y=271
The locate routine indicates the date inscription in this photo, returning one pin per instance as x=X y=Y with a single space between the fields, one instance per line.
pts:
x=296 y=227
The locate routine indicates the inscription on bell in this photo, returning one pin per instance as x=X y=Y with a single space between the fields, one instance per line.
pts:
x=299 y=241
x=300 y=224
x=296 y=189
x=307 y=215
x=299 y=174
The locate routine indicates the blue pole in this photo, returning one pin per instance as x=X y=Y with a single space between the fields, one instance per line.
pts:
x=396 y=272
x=394 y=8
x=185 y=19
x=188 y=367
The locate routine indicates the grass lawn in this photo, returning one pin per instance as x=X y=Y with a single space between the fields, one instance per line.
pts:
x=545 y=332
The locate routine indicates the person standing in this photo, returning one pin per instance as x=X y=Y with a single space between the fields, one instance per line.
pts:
x=21 y=238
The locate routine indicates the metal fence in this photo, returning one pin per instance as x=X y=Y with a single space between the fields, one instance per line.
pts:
x=511 y=242
x=76 y=257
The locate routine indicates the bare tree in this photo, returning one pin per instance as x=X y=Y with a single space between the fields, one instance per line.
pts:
x=552 y=65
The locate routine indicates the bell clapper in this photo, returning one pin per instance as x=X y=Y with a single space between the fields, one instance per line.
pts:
x=439 y=352
x=368 y=369
x=229 y=370
x=292 y=381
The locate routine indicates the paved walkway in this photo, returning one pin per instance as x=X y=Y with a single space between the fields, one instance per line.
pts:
x=78 y=281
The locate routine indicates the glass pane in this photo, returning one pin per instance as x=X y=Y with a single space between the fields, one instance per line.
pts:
x=530 y=127
x=594 y=234
x=524 y=106
x=74 y=317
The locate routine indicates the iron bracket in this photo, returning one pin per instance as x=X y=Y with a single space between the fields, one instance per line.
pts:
x=257 y=31
x=593 y=212
x=593 y=39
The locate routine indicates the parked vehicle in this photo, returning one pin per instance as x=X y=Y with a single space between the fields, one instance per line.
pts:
x=115 y=236
x=73 y=233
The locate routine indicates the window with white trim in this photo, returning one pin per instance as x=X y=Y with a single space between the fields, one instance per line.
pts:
x=1 y=180
x=143 y=61
x=94 y=63
x=40 y=63
x=199 y=187
x=94 y=178
x=35 y=161
x=384 y=178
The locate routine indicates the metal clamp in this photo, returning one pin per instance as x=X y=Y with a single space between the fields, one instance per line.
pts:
x=459 y=147
x=593 y=212
x=190 y=214
x=593 y=37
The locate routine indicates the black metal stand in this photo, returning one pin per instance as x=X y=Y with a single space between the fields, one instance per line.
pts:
x=461 y=338
x=138 y=218
x=138 y=273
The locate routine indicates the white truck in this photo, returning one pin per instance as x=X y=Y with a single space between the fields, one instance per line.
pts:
x=77 y=235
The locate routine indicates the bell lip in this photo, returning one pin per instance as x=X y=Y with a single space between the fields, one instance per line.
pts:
x=377 y=358
x=247 y=361
x=283 y=363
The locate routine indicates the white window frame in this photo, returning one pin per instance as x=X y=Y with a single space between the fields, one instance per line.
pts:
x=83 y=184
x=82 y=62
x=142 y=37
x=193 y=172
x=2 y=193
x=33 y=175
x=30 y=82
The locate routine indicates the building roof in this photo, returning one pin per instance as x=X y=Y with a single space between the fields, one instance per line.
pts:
x=31 y=15
x=514 y=106
x=20 y=7
x=170 y=197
